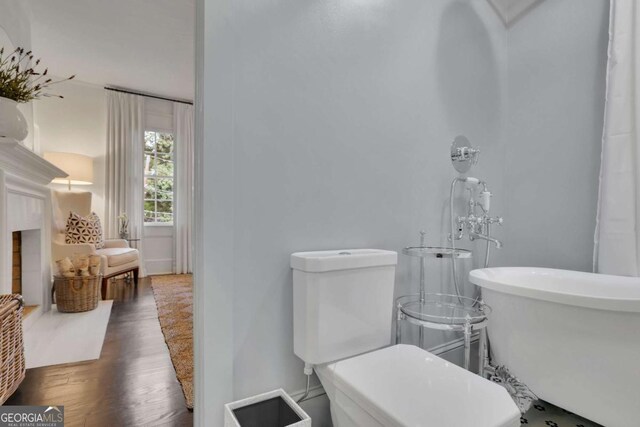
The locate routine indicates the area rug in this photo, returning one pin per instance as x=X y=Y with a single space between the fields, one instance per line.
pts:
x=56 y=338
x=174 y=300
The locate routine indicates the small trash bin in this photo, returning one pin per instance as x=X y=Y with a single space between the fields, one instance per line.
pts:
x=272 y=409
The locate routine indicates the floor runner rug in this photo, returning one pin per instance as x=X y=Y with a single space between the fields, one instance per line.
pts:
x=174 y=300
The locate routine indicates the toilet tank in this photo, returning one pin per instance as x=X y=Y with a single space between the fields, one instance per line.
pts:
x=342 y=302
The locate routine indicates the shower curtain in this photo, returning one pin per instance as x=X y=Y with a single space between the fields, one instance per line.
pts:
x=617 y=236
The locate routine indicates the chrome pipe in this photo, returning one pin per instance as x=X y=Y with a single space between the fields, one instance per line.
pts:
x=306 y=392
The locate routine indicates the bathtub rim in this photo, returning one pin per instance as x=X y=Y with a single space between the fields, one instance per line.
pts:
x=500 y=279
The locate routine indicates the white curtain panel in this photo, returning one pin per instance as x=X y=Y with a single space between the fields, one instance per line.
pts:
x=124 y=164
x=617 y=236
x=183 y=189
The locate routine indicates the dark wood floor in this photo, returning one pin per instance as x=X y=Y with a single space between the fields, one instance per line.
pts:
x=132 y=384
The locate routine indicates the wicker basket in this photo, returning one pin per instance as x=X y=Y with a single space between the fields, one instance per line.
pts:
x=12 y=367
x=76 y=294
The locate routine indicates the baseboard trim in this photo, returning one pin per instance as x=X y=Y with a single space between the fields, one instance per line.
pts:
x=159 y=266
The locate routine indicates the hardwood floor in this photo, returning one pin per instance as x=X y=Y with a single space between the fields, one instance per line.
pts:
x=132 y=384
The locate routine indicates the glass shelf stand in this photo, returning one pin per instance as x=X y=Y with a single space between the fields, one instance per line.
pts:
x=443 y=312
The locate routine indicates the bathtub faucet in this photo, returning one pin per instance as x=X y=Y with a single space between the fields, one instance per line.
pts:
x=473 y=236
x=477 y=222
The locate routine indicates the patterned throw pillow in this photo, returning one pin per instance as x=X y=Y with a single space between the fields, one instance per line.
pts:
x=84 y=230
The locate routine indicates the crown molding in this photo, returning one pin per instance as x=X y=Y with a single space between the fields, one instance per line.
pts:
x=512 y=10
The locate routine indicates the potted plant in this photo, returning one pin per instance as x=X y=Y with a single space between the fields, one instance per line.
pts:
x=20 y=83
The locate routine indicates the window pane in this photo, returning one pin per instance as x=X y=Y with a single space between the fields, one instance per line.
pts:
x=150 y=188
x=149 y=211
x=158 y=162
x=164 y=207
x=165 y=156
x=164 y=143
x=165 y=184
x=165 y=217
x=164 y=167
x=164 y=195
x=149 y=141
x=149 y=165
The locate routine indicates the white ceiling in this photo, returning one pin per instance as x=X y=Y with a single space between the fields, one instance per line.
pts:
x=145 y=45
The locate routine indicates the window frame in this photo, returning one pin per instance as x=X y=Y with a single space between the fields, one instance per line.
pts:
x=145 y=176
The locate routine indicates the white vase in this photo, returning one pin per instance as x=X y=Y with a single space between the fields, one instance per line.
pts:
x=12 y=122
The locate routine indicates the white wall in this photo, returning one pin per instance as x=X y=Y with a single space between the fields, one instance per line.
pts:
x=343 y=113
x=15 y=31
x=15 y=20
x=157 y=247
x=76 y=124
x=557 y=57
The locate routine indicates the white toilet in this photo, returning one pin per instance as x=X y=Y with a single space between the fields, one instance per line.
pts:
x=343 y=304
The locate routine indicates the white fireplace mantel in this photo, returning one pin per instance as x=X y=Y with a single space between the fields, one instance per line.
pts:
x=25 y=205
x=18 y=160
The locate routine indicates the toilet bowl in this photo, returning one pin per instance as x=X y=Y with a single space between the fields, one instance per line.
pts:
x=342 y=327
x=404 y=385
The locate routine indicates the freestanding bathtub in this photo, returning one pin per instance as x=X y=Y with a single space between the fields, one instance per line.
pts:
x=572 y=337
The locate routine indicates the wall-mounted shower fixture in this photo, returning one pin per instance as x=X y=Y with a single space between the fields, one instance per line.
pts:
x=477 y=222
x=463 y=154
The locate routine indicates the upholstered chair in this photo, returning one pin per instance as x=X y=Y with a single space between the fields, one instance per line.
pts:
x=117 y=257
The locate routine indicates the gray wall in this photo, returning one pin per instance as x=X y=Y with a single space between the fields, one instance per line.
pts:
x=213 y=212
x=328 y=124
x=343 y=113
x=557 y=57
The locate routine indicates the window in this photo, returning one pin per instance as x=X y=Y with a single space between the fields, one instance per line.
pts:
x=158 y=177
